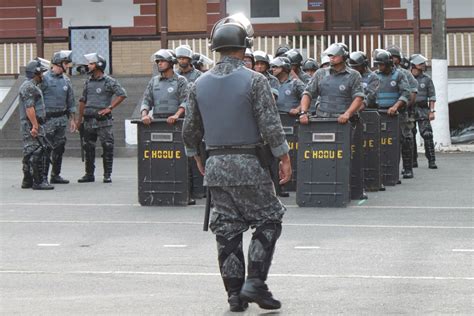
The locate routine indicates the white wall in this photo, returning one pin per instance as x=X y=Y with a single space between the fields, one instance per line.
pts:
x=116 y=13
x=290 y=10
x=454 y=8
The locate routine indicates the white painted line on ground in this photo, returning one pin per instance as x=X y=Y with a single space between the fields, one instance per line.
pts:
x=276 y=275
x=307 y=247
x=202 y=206
x=463 y=250
x=175 y=246
x=199 y=223
x=48 y=245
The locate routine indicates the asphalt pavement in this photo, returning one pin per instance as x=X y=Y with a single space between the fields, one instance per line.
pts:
x=91 y=249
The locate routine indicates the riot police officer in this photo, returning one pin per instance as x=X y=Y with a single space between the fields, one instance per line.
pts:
x=165 y=95
x=235 y=109
x=95 y=114
x=184 y=56
x=338 y=86
x=60 y=105
x=262 y=65
x=370 y=81
x=32 y=118
x=249 y=60
x=393 y=95
x=310 y=66
x=281 y=50
x=296 y=59
x=424 y=107
x=290 y=90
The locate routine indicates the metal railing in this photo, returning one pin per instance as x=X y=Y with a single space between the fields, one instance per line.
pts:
x=459 y=45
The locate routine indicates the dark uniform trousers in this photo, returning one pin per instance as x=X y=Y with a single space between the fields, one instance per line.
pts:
x=421 y=116
x=101 y=129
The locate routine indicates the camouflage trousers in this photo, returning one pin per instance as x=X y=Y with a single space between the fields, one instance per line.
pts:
x=406 y=139
x=235 y=210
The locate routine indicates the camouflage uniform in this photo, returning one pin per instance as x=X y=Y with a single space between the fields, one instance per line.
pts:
x=97 y=95
x=426 y=94
x=242 y=191
x=59 y=103
x=191 y=75
x=33 y=153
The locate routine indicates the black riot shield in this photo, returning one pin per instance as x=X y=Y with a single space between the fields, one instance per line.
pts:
x=324 y=155
x=372 y=174
x=162 y=164
x=290 y=127
x=357 y=158
x=389 y=148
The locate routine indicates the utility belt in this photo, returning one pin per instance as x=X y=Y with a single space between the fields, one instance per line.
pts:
x=56 y=114
x=98 y=117
x=262 y=152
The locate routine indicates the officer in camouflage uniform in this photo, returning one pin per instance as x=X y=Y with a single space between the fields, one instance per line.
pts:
x=424 y=107
x=296 y=59
x=310 y=66
x=338 y=86
x=165 y=95
x=235 y=110
x=370 y=81
x=184 y=55
x=393 y=95
x=95 y=107
x=60 y=105
x=262 y=65
x=249 y=60
x=32 y=119
x=290 y=90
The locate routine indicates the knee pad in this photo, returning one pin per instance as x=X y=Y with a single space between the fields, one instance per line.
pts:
x=427 y=135
x=89 y=147
x=267 y=234
x=108 y=146
x=59 y=149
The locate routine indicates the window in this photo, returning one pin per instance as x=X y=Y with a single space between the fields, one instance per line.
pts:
x=264 y=8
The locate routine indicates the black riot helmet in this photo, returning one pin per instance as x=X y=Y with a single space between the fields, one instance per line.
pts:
x=234 y=31
x=337 y=49
x=97 y=59
x=294 y=56
x=61 y=56
x=310 y=64
x=358 y=58
x=283 y=62
x=395 y=51
x=382 y=56
x=281 y=50
x=260 y=55
x=405 y=63
x=164 y=54
x=36 y=66
x=418 y=59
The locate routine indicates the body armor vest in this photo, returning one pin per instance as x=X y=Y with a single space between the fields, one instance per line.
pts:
x=165 y=96
x=98 y=97
x=55 y=92
x=388 y=93
x=367 y=79
x=335 y=93
x=423 y=83
x=287 y=99
x=190 y=76
x=225 y=103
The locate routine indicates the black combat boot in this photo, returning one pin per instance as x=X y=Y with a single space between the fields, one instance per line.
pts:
x=261 y=251
x=27 y=182
x=233 y=287
x=108 y=160
x=39 y=180
x=407 y=158
x=57 y=161
x=415 y=149
x=430 y=153
x=90 y=167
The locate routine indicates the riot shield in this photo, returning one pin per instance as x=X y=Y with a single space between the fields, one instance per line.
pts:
x=371 y=134
x=290 y=127
x=162 y=164
x=323 y=163
x=389 y=148
x=357 y=158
